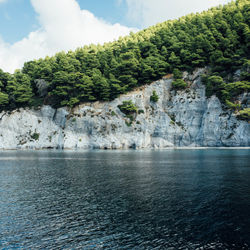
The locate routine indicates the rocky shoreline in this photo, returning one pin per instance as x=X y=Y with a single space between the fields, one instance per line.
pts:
x=184 y=118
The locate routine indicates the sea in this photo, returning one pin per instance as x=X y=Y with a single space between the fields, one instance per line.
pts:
x=135 y=199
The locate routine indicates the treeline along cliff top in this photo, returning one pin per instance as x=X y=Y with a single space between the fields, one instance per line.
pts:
x=218 y=39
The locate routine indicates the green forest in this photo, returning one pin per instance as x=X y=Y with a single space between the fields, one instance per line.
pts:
x=218 y=38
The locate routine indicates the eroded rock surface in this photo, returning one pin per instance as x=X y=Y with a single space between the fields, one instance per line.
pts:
x=182 y=119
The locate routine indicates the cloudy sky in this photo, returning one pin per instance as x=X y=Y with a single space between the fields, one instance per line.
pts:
x=30 y=29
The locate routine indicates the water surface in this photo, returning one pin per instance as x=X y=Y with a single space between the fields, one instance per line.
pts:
x=186 y=199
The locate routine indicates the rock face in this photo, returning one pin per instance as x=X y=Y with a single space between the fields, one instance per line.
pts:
x=179 y=119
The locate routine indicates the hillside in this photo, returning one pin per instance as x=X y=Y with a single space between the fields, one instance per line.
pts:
x=151 y=116
x=218 y=39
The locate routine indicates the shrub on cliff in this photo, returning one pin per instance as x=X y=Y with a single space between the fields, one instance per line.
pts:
x=128 y=108
x=179 y=84
x=244 y=114
x=154 y=97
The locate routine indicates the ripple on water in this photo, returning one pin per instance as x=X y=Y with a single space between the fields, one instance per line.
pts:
x=176 y=199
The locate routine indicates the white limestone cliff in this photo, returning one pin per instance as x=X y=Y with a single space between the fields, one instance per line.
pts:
x=179 y=119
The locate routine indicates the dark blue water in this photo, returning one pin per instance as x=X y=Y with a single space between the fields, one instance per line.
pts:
x=174 y=199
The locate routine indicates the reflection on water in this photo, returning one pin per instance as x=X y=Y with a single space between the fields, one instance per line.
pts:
x=129 y=199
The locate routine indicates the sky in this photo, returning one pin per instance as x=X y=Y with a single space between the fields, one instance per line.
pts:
x=31 y=29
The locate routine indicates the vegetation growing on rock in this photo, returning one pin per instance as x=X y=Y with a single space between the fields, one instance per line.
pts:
x=179 y=84
x=154 y=97
x=227 y=92
x=128 y=107
x=35 y=136
x=244 y=114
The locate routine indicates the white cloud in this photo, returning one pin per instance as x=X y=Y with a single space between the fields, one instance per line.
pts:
x=1 y=1
x=64 y=26
x=150 y=12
